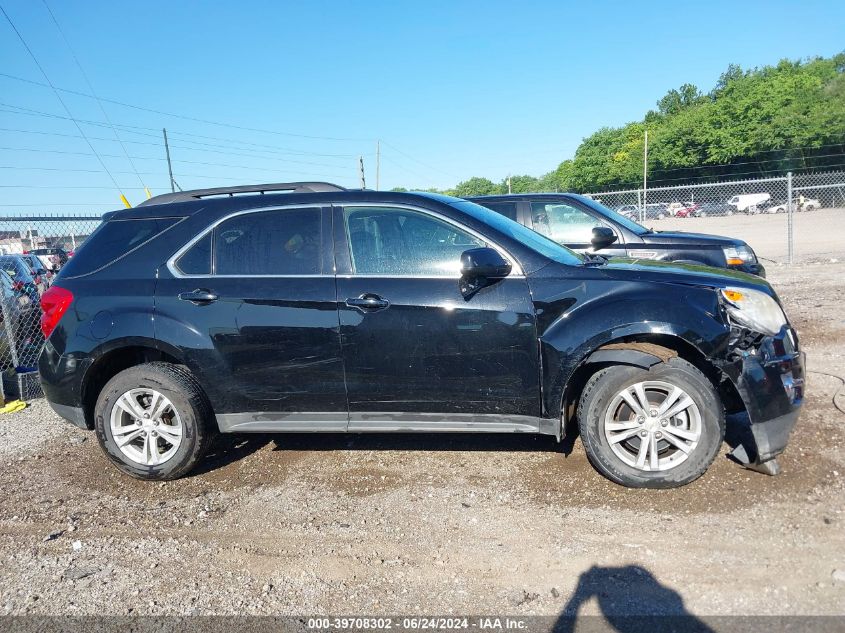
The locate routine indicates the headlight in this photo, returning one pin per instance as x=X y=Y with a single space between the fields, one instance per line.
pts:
x=754 y=309
x=739 y=255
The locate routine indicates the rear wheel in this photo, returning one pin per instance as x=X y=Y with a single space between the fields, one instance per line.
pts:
x=655 y=428
x=153 y=421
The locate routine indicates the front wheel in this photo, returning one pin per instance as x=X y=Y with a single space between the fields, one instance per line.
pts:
x=651 y=428
x=153 y=421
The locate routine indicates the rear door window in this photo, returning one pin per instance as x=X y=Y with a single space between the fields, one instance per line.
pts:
x=197 y=259
x=279 y=242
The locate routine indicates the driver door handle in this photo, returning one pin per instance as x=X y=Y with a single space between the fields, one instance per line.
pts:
x=200 y=296
x=368 y=302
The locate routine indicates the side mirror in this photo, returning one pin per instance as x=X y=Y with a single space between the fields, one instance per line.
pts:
x=484 y=262
x=481 y=267
x=602 y=237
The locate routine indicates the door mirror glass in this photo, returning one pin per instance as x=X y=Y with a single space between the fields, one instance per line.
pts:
x=481 y=267
x=602 y=237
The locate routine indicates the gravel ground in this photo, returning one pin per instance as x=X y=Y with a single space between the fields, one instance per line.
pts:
x=329 y=524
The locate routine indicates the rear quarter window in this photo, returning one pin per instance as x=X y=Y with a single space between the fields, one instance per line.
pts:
x=113 y=240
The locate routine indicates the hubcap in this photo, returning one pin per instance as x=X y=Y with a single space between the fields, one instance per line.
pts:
x=652 y=425
x=146 y=426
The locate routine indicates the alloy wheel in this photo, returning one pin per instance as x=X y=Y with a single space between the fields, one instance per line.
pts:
x=146 y=427
x=652 y=425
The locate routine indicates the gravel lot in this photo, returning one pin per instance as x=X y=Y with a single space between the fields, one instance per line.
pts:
x=329 y=524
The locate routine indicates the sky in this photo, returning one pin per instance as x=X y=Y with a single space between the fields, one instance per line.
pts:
x=280 y=91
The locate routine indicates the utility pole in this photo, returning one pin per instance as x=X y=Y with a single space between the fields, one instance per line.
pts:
x=645 y=176
x=378 y=162
x=509 y=183
x=361 y=172
x=169 y=166
x=789 y=209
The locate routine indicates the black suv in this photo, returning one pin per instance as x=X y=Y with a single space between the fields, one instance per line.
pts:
x=331 y=310
x=569 y=219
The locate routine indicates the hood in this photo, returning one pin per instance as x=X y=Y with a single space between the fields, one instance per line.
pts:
x=681 y=237
x=628 y=269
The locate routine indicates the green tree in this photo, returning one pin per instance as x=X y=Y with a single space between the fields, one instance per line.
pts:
x=475 y=187
x=762 y=122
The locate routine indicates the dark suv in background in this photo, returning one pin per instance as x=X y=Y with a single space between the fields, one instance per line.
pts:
x=569 y=219
x=309 y=307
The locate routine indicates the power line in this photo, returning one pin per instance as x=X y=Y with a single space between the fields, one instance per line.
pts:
x=419 y=162
x=185 y=147
x=39 y=150
x=63 y=187
x=154 y=173
x=274 y=149
x=59 y=97
x=715 y=182
x=189 y=118
x=93 y=92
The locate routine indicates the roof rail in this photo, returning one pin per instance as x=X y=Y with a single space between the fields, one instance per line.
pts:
x=198 y=194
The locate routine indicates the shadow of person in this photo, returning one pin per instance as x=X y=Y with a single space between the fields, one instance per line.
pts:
x=631 y=600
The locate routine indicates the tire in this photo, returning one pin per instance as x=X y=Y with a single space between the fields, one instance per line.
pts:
x=183 y=431
x=701 y=214
x=704 y=419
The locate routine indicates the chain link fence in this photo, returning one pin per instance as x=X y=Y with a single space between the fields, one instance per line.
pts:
x=799 y=217
x=33 y=250
x=796 y=217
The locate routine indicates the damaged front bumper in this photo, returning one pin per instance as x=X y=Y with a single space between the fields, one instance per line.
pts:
x=768 y=373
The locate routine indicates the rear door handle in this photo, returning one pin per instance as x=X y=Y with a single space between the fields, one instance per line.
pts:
x=199 y=296
x=368 y=302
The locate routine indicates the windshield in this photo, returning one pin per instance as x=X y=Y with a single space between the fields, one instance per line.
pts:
x=515 y=230
x=637 y=229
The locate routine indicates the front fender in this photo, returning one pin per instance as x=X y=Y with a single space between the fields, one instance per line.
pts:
x=574 y=323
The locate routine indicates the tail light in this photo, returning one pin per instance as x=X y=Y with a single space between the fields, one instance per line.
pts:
x=54 y=303
x=26 y=252
x=18 y=285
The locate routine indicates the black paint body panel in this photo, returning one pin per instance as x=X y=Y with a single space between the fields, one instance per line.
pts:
x=291 y=350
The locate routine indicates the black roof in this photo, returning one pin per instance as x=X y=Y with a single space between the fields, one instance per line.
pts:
x=522 y=196
x=199 y=194
x=187 y=203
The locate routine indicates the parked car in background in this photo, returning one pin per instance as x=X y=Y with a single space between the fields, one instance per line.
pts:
x=713 y=208
x=628 y=210
x=19 y=317
x=41 y=275
x=313 y=308
x=751 y=203
x=53 y=258
x=569 y=219
x=684 y=209
x=22 y=275
x=798 y=204
x=653 y=211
